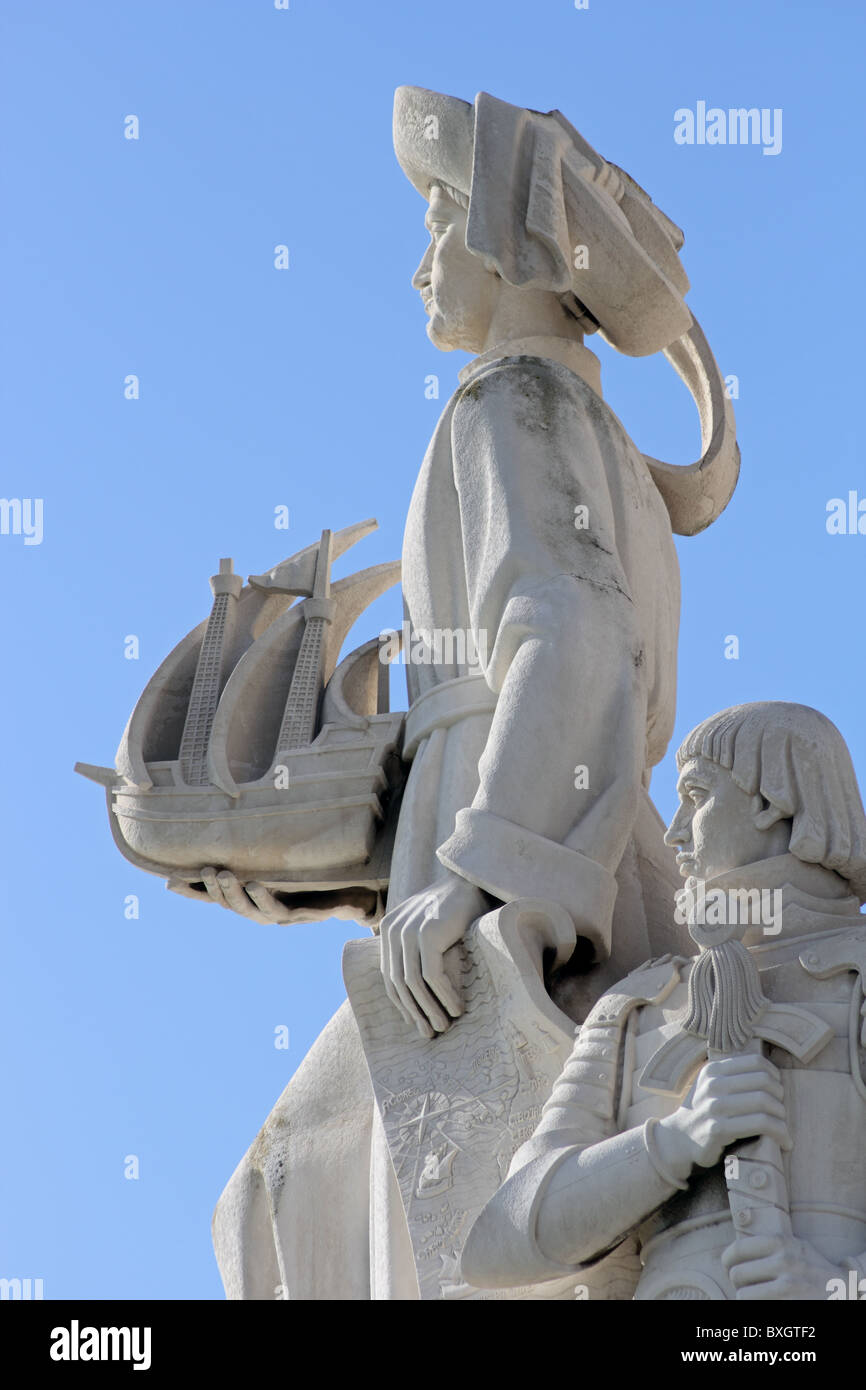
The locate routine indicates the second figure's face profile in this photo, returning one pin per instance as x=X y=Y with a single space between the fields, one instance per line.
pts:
x=714 y=829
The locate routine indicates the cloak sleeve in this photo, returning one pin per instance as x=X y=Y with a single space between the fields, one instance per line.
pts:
x=554 y=621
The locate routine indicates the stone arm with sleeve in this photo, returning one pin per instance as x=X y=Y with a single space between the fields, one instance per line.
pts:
x=577 y=1188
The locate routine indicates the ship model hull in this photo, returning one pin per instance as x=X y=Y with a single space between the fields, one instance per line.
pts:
x=318 y=826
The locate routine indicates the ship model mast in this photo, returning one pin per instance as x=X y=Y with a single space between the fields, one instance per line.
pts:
x=298 y=724
x=208 y=681
x=302 y=703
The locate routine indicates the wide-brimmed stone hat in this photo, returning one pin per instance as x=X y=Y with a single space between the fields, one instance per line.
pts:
x=546 y=211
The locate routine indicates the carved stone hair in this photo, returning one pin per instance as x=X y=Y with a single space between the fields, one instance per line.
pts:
x=797 y=760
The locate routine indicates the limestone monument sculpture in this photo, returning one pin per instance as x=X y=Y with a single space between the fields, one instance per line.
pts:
x=690 y=1124
x=522 y=856
x=252 y=747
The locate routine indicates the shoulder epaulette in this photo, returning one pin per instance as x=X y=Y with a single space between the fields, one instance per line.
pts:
x=649 y=984
x=835 y=953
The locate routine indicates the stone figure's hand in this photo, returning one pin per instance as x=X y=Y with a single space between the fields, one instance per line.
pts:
x=251 y=900
x=736 y=1098
x=772 y=1268
x=413 y=940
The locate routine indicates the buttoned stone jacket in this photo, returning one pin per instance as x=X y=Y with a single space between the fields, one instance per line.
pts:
x=680 y=1231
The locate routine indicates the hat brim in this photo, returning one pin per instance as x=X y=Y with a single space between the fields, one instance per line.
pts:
x=434 y=138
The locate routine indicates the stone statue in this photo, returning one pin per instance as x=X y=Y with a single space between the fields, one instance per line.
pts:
x=538 y=527
x=690 y=1123
x=539 y=531
x=541 y=590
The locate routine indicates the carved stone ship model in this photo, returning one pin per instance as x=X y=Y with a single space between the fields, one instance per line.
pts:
x=251 y=749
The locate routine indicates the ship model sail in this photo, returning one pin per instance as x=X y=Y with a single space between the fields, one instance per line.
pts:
x=252 y=749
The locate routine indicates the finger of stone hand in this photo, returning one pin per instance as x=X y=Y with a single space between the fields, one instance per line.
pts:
x=749 y=1250
x=750 y=1102
x=271 y=908
x=398 y=979
x=426 y=1002
x=756 y=1272
x=433 y=971
x=385 y=967
x=398 y=983
x=752 y=1081
x=761 y=1293
x=176 y=884
x=389 y=933
x=393 y=920
x=416 y=1016
x=748 y=1126
x=236 y=898
x=211 y=883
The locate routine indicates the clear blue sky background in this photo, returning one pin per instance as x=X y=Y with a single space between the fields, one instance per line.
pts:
x=155 y=1037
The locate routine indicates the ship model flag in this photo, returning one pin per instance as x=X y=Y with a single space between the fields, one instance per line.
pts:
x=252 y=749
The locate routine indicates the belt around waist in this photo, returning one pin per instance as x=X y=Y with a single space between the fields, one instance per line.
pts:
x=444 y=705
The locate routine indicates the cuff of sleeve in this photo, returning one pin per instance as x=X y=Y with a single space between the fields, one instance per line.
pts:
x=655 y=1158
x=509 y=862
x=600 y=1195
x=501 y=1250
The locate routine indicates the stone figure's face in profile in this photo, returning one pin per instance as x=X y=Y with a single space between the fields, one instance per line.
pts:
x=459 y=293
x=714 y=830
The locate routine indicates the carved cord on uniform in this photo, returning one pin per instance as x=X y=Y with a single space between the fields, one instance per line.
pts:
x=725 y=997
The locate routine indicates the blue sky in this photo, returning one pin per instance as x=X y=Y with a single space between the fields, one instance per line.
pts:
x=305 y=388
